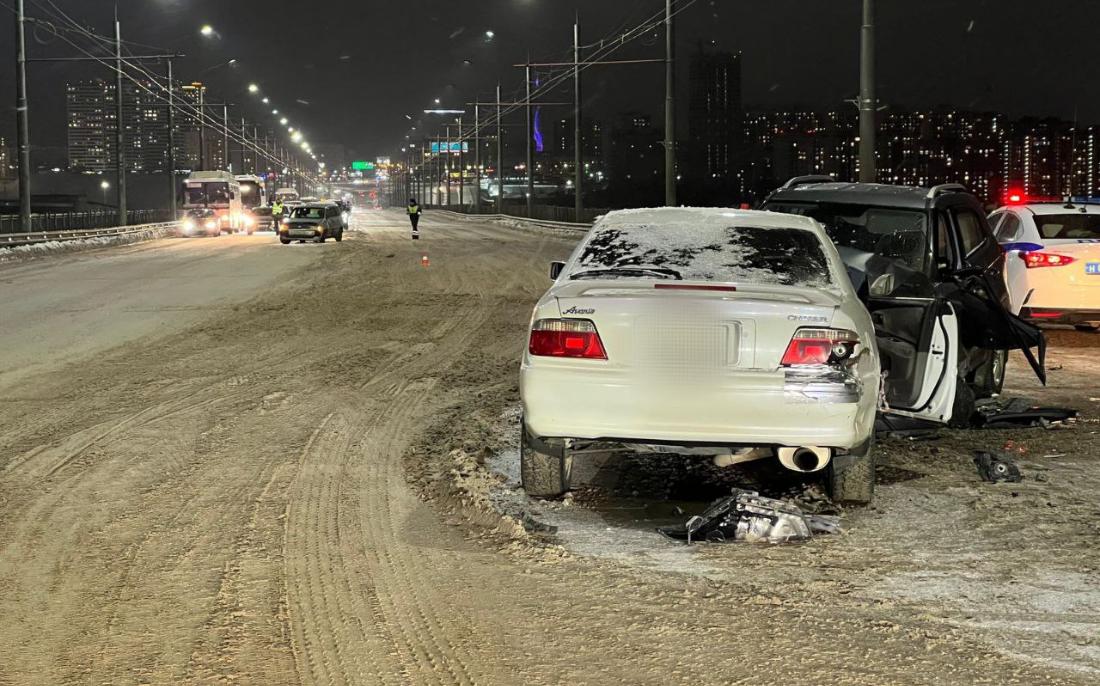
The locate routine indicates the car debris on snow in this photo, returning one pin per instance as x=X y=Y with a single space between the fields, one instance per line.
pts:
x=995 y=467
x=746 y=516
x=1007 y=413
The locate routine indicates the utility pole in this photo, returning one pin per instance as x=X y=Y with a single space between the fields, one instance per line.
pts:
x=447 y=165
x=22 y=116
x=202 y=127
x=578 y=153
x=500 y=156
x=171 y=140
x=244 y=143
x=461 y=165
x=120 y=126
x=670 y=106
x=477 y=158
x=868 y=103
x=530 y=144
x=225 y=138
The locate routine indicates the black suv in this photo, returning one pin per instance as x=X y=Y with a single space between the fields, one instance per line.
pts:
x=925 y=262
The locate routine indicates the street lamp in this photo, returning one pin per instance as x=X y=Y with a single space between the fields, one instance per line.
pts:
x=104 y=186
x=207 y=30
x=253 y=88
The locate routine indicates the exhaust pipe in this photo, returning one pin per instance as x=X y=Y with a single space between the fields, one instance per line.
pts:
x=806 y=459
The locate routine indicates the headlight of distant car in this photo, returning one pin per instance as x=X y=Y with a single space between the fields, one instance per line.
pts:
x=249 y=220
x=211 y=224
x=188 y=226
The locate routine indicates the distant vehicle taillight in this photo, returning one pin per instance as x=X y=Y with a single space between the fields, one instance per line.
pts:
x=820 y=346
x=576 y=338
x=1035 y=260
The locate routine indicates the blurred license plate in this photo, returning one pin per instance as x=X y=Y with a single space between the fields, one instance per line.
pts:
x=1092 y=268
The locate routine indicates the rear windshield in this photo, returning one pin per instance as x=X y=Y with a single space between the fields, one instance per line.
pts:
x=772 y=256
x=897 y=234
x=308 y=213
x=1068 y=226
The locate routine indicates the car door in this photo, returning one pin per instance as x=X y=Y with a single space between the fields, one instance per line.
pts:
x=1010 y=233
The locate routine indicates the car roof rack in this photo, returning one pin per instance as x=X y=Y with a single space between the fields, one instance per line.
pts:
x=808 y=180
x=945 y=188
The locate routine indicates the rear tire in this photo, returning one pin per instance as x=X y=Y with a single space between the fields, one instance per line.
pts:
x=989 y=379
x=340 y=236
x=851 y=478
x=962 y=412
x=542 y=475
x=284 y=241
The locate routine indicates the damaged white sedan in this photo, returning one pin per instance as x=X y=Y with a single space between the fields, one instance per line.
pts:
x=734 y=334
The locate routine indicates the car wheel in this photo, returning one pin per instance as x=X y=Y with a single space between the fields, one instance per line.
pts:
x=340 y=235
x=284 y=241
x=989 y=379
x=851 y=478
x=1087 y=328
x=543 y=475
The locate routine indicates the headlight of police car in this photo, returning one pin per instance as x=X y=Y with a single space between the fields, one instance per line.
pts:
x=188 y=226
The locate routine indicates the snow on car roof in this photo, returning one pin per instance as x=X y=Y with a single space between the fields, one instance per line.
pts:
x=1046 y=208
x=706 y=244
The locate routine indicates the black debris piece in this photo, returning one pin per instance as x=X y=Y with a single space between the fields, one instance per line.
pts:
x=1008 y=413
x=746 y=516
x=996 y=467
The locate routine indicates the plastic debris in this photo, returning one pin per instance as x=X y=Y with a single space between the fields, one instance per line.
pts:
x=746 y=516
x=994 y=468
x=1001 y=413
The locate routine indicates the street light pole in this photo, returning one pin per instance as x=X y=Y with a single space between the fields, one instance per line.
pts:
x=500 y=156
x=461 y=166
x=868 y=103
x=670 y=106
x=447 y=165
x=530 y=144
x=120 y=126
x=225 y=138
x=477 y=158
x=578 y=155
x=202 y=127
x=22 y=116
x=171 y=140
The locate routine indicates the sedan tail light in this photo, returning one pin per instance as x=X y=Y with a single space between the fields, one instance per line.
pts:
x=820 y=346
x=575 y=338
x=1035 y=260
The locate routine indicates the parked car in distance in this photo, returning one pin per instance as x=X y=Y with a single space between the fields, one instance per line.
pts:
x=912 y=253
x=732 y=334
x=316 y=222
x=1052 y=266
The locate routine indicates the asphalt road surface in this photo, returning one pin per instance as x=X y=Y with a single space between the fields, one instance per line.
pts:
x=231 y=461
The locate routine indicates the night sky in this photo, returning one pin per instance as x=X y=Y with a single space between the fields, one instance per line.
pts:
x=358 y=66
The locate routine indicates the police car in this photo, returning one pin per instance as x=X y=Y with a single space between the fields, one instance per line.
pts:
x=1052 y=265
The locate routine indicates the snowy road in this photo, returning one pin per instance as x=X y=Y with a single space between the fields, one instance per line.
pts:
x=252 y=481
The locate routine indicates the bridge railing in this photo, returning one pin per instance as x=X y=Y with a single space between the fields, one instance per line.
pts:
x=80 y=221
x=549 y=213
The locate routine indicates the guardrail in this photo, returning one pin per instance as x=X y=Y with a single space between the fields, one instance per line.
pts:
x=10 y=240
x=564 y=226
x=75 y=221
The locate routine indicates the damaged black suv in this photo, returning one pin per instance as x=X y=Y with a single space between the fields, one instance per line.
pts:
x=926 y=264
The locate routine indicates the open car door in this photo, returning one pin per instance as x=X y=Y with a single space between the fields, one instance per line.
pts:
x=918 y=343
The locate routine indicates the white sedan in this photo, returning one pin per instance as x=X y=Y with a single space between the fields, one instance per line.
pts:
x=732 y=334
x=1053 y=261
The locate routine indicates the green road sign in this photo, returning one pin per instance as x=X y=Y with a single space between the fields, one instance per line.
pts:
x=362 y=166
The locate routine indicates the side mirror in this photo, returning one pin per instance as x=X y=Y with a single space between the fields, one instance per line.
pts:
x=882 y=286
x=556 y=268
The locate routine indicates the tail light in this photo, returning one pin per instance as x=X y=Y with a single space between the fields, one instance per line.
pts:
x=820 y=346
x=575 y=338
x=1035 y=260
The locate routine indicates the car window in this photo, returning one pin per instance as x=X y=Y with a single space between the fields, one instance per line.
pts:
x=969 y=226
x=945 y=248
x=899 y=235
x=1069 y=226
x=308 y=213
x=707 y=251
x=1009 y=230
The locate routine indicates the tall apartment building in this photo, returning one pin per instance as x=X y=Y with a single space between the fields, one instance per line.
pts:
x=714 y=116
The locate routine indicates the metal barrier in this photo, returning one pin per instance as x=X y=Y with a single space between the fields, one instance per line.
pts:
x=16 y=239
x=563 y=226
x=74 y=221
x=550 y=213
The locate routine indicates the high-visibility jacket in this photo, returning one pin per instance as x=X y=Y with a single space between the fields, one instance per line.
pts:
x=413 y=209
x=277 y=209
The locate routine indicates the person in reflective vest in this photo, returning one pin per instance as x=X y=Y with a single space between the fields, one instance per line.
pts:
x=277 y=214
x=414 y=216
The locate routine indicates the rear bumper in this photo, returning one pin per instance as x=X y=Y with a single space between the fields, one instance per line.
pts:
x=737 y=410
x=1058 y=315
